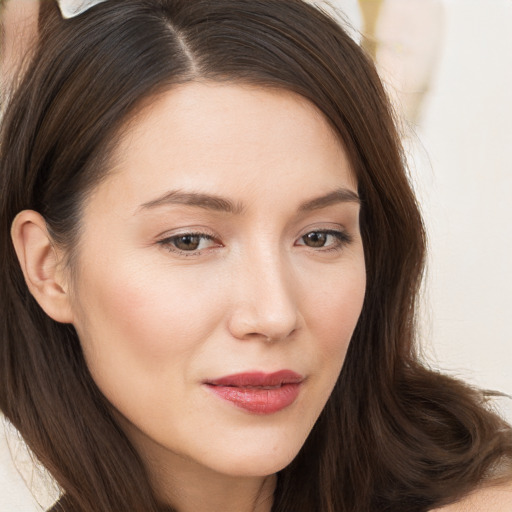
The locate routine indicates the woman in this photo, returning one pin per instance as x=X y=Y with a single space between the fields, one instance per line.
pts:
x=211 y=257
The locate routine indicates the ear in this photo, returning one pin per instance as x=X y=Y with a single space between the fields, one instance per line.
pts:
x=41 y=265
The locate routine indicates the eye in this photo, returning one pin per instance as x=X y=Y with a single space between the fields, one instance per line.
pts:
x=325 y=239
x=191 y=243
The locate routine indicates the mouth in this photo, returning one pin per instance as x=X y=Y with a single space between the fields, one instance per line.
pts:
x=258 y=392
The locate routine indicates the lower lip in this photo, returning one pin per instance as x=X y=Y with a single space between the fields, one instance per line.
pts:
x=258 y=400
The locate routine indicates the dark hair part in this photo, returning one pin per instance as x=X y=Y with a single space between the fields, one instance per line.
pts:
x=394 y=435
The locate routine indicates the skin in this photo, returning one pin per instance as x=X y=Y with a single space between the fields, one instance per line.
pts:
x=256 y=293
x=489 y=498
x=155 y=323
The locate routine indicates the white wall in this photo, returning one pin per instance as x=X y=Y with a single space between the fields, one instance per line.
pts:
x=467 y=193
x=460 y=154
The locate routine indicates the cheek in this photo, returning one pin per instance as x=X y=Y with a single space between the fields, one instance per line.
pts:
x=145 y=318
x=334 y=309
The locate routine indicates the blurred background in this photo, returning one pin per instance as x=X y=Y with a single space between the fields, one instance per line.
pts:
x=447 y=64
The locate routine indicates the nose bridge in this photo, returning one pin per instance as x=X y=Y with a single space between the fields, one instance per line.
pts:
x=265 y=302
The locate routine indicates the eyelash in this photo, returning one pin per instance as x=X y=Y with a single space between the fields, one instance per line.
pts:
x=342 y=239
x=168 y=243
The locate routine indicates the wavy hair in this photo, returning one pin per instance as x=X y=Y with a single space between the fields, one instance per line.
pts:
x=394 y=435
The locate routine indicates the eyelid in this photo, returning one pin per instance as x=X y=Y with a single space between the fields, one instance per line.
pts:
x=166 y=240
x=342 y=236
x=184 y=231
x=323 y=227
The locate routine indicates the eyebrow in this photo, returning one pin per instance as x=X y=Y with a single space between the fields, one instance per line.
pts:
x=206 y=201
x=221 y=204
x=341 y=195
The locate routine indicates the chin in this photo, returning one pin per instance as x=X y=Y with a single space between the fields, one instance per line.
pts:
x=257 y=468
x=255 y=463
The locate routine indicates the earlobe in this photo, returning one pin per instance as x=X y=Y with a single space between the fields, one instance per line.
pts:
x=39 y=261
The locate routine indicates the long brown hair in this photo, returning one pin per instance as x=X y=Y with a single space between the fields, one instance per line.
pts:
x=394 y=435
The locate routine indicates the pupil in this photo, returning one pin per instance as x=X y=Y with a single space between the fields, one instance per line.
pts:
x=315 y=239
x=187 y=243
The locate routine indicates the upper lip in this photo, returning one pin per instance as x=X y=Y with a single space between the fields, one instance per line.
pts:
x=258 y=379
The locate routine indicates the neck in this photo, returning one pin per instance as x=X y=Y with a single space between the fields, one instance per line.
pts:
x=189 y=486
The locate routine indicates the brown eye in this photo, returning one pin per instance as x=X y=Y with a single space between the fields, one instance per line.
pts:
x=315 y=239
x=326 y=240
x=187 y=242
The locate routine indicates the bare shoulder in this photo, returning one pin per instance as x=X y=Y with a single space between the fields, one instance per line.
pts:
x=495 y=498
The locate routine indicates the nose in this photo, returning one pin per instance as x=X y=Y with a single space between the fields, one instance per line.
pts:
x=264 y=300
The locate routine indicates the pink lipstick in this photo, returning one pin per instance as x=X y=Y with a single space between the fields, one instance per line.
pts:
x=258 y=392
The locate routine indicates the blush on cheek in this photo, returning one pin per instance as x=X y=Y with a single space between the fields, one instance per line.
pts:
x=151 y=318
x=337 y=314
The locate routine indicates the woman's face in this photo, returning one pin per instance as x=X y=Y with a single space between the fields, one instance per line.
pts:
x=224 y=241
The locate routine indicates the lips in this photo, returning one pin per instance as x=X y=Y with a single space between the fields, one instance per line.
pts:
x=258 y=392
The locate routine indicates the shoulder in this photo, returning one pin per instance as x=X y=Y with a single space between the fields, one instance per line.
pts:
x=495 y=498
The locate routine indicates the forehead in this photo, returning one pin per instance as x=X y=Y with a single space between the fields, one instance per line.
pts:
x=228 y=139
